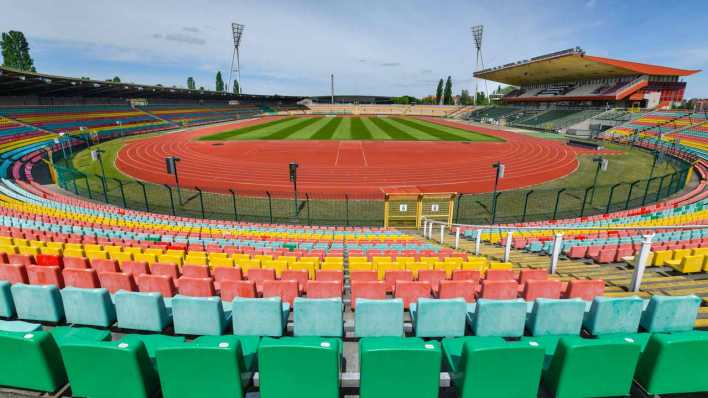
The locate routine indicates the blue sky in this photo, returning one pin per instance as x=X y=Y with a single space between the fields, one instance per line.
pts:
x=391 y=47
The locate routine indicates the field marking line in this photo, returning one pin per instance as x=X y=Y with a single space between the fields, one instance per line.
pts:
x=363 y=153
x=338 y=152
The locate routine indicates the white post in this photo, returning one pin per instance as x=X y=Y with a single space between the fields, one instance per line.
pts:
x=557 y=245
x=478 y=242
x=507 y=246
x=425 y=226
x=641 y=263
x=430 y=230
x=457 y=238
x=442 y=233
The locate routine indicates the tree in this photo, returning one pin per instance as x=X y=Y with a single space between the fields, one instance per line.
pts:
x=447 y=94
x=465 y=98
x=201 y=88
x=15 y=51
x=237 y=89
x=115 y=79
x=481 y=98
x=190 y=83
x=439 y=91
x=219 y=82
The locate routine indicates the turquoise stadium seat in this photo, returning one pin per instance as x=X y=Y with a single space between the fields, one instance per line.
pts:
x=500 y=318
x=318 y=317
x=7 y=306
x=439 y=317
x=91 y=307
x=551 y=317
x=38 y=302
x=378 y=318
x=610 y=315
x=142 y=311
x=259 y=316
x=19 y=326
x=670 y=313
x=199 y=315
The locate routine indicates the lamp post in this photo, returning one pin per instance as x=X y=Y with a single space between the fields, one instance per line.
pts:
x=500 y=167
x=171 y=164
x=97 y=155
x=601 y=165
x=293 y=178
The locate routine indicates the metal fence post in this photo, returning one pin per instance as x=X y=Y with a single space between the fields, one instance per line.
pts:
x=442 y=233
x=172 y=201
x=270 y=206
x=346 y=209
x=457 y=207
x=641 y=263
x=661 y=187
x=88 y=187
x=457 y=238
x=609 y=199
x=307 y=203
x=646 y=190
x=76 y=186
x=585 y=201
x=669 y=189
x=478 y=242
x=526 y=204
x=145 y=195
x=557 y=245
x=201 y=201
x=105 y=189
x=122 y=192
x=555 y=207
x=494 y=206
x=507 y=246
x=233 y=201
x=629 y=195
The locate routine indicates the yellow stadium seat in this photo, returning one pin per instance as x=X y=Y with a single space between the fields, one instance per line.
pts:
x=175 y=252
x=448 y=267
x=29 y=250
x=289 y=259
x=5 y=241
x=278 y=265
x=687 y=264
x=357 y=259
x=36 y=243
x=417 y=266
x=221 y=262
x=113 y=249
x=341 y=259
x=245 y=265
x=195 y=260
x=381 y=268
x=680 y=253
x=217 y=255
x=430 y=260
x=96 y=255
x=170 y=259
x=458 y=260
x=153 y=250
x=92 y=247
x=55 y=245
x=194 y=253
x=149 y=258
x=263 y=257
x=660 y=257
x=310 y=267
x=361 y=266
x=134 y=250
x=500 y=265
x=20 y=242
x=121 y=256
x=405 y=259
x=381 y=259
x=701 y=251
x=52 y=251
x=311 y=259
x=74 y=246
x=331 y=266
x=74 y=253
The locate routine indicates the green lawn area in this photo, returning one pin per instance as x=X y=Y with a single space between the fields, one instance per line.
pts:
x=350 y=128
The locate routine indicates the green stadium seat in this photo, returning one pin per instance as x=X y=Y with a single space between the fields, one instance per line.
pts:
x=378 y=318
x=318 y=317
x=592 y=367
x=670 y=313
x=199 y=315
x=38 y=302
x=500 y=318
x=142 y=311
x=31 y=361
x=91 y=307
x=439 y=317
x=259 y=316
x=7 y=306
x=64 y=334
x=493 y=367
x=399 y=367
x=230 y=358
x=299 y=367
x=674 y=363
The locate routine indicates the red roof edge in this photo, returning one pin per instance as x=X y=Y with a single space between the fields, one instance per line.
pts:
x=645 y=69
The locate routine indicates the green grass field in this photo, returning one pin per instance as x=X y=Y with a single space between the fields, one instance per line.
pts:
x=350 y=128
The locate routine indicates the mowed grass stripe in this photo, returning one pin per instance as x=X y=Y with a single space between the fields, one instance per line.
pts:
x=287 y=131
x=327 y=131
x=391 y=130
x=376 y=132
x=232 y=133
x=359 y=130
x=469 y=135
x=439 y=134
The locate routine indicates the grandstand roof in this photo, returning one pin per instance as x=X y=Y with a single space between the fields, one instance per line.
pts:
x=18 y=83
x=569 y=65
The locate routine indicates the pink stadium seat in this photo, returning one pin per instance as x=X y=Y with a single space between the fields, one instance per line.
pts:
x=287 y=290
x=231 y=289
x=433 y=277
x=330 y=275
x=44 y=275
x=324 y=289
x=300 y=276
x=367 y=290
x=163 y=284
x=13 y=273
x=135 y=267
x=500 y=275
x=585 y=289
x=499 y=289
x=82 y=278
x=577 y=251
x=170 y=270
x=20 y=259
x=363 y=276
x=195 y=287
x=76 y=262
x=115 y=281
x=539 y=288
x=104 y=265
x=48 y=259
x=260 y=275
x=391 y=277
x=466 y=288
x=195 y=271
x=461 y=275
x=410 y=291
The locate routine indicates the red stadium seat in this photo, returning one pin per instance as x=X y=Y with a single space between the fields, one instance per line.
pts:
x=329 y=275
x=82 y=278
x=226 y=273
x=195 y=287
x=231 y=289
x=105 y=265
x=324 y=289
x=410 y=292
x=466 y=288
x=500 y=275
x=115 y=281
x=585 y=289
x=287 y=290
x=195 y=271
x=369 y=276
x=391 y=277
x=44 y=275
x=48 y=259
x=368 y=290
x=259 y=275
x=163 y=284
x=499 y=290
x=20 y=259
x=13 y=273
x=577 y=251
x=167 y=269
x=466 y=275
x=538 y=288
x=134 y=267
x=301 y=276
x=527 y=274
x=76 y=262
x=433 y=277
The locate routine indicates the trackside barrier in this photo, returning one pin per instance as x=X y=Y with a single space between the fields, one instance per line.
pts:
x=639 y=266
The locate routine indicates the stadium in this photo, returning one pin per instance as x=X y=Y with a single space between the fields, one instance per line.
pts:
x=548 y=239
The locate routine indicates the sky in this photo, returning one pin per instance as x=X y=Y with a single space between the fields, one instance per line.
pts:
x=373 y=47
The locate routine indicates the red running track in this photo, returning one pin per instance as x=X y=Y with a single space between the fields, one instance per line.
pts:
x=353 y=167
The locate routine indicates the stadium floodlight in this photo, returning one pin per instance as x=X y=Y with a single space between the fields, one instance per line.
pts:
x=500 y=168
x=478 y=34
x=237 y=30
x=292 y=167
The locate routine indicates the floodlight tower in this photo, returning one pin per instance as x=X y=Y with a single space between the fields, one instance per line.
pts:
x=477 y=34
x=237 y=30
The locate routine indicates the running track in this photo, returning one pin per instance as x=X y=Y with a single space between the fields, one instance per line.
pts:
x=359 y=168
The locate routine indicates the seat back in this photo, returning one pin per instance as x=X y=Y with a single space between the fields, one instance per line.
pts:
x=44 y=275
x=42 y=368
x=198 y=315
x=439 y=318
x=167 y=269
x=369 y=276
x=610 y=315
x=466 y=289
x=76 y=262
x=196 y=287
x=104 y=265
x=7 y=306
x=540 y=288
x=330 y=275
x=393 y=276
x=433 y=277
x=37 y=302
x=466 y=274
x=287 y=290
x=259 y=316
x=13 y=273
x=195 y=271
x=318 y=317
x=49 y=259
x=227 y=273
x=500 y=275
x=230 y=289
x=141 y=311
x=82 y=278
x=324 y=289
x=670 y=313
x=501 y=318
x=586 y=289
x=115 y=281
x=162 y=284
x=135 y=267
x=499 y=289
x=374 y=290
x=556 y=317
x=410 y=292
x=91 y=307
x=379 y=318
x=300 y=276
x=528 y=274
